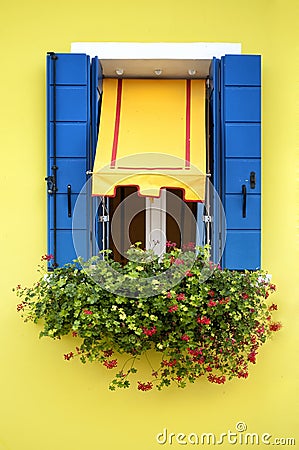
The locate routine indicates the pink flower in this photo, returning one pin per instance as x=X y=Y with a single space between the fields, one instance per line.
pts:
x=87 y=311
x=180 y=297
x=168 y=295
x=170 y=363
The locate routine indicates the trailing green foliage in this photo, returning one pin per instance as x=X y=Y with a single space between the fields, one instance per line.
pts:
x=210 y=322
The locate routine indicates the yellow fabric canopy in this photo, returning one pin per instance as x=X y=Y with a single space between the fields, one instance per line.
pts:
x=152 y=135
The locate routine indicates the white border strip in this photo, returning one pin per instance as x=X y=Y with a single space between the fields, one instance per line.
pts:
x=156 y=50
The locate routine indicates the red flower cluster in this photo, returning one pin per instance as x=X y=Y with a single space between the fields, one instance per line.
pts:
x=47 y=257
x=209 y=369
x=21 y=306
x=173 y=308
x=194 y=352
x=170 y=363
x=215 y=379
x=69 y=356
x=242 y=374
x=204 y=320
x=211 y=293
x=149 y=331
x=168 y=295
x=110 y=364
x=201 y=360
x=185 y=337
x=145 y=386
x=273 y=307
x=180 y=297
x=272 y=287
x=179 y=261
x=108 y=353
x=179 y=379
x=212 y=303
x=252 y=357
x=275 y=326
x=87 y=311
x=74 y=334
x=189 y=274
x=245 y=296
x=223 y=301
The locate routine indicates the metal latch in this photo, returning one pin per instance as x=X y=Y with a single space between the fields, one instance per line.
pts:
x=103 y=218
x=207 y=219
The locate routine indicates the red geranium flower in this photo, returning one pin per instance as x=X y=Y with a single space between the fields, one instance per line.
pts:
x=47 y=257
x=204 y=320
x=110 y=364
x=145 y=386
x=275 y=326
x=185 y=337
x=173 y=308
x=212 y=303
x=149 y=331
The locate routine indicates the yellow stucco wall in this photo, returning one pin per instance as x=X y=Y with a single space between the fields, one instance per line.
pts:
x=47 y=404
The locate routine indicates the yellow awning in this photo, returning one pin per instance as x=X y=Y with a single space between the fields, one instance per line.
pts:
x=152 y=135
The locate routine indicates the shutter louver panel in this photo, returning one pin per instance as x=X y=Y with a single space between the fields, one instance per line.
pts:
x=241 y=159
x=68 y=131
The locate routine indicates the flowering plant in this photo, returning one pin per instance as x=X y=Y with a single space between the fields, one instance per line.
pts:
x=206 y=322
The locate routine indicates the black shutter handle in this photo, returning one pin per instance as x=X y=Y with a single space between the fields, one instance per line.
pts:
x=69 y=200
x=244 y=192
x=252 y=180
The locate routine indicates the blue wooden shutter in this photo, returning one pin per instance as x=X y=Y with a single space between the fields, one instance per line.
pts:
x=68 y=135
x=241 y=159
